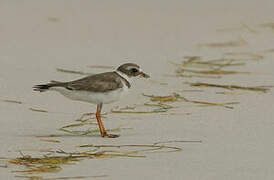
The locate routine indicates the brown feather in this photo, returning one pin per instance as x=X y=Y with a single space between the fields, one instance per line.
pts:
x=97 y=83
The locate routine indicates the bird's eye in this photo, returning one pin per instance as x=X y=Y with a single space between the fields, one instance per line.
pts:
x=134 y=70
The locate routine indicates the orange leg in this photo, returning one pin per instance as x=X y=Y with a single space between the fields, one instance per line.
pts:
x=100 y=123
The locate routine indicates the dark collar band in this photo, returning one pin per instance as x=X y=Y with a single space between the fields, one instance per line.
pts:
x=123 y=79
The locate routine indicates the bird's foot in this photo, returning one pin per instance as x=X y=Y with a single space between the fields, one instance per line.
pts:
x=111 y=135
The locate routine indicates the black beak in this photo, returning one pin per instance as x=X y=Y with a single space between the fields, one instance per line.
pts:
x=144 y=75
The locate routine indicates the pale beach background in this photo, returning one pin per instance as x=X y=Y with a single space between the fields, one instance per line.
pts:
x=36 y=37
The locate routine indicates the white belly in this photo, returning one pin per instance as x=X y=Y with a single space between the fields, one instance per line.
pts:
x=92 y=97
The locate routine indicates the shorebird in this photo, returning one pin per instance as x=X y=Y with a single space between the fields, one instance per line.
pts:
x=99 y=89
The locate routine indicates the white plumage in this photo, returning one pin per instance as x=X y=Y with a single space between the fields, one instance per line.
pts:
x=95 y=97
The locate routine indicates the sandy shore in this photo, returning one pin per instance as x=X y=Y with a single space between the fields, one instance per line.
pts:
x=38 y=37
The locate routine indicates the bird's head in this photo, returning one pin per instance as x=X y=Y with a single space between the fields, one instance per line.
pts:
x=132 y=70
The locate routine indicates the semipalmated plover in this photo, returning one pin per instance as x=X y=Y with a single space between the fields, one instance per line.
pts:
x=98 y=89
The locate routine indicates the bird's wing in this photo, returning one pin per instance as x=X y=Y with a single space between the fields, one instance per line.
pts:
x=97 y=83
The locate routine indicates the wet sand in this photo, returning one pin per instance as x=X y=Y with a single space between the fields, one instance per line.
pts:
x=38 y=37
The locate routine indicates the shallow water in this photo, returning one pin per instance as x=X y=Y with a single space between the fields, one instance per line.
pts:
x=38 y=37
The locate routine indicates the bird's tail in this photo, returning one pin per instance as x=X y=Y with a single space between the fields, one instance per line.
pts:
x=45 y=87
